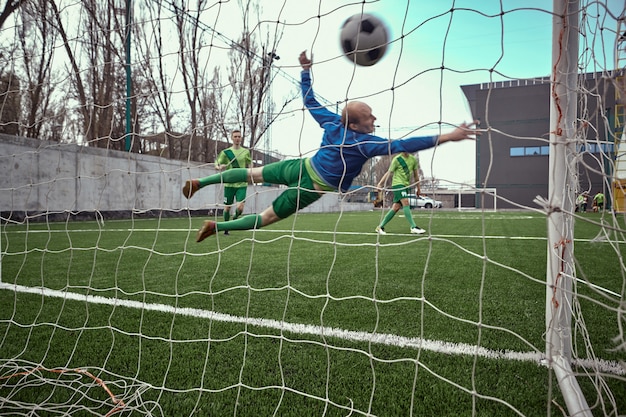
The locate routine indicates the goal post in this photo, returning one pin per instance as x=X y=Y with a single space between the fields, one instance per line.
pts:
x=561 y=197
x=485 y=199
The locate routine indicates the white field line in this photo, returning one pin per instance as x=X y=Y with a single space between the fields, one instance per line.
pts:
x=448 y=348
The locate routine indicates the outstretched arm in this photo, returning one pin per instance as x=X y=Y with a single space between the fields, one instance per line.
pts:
x=465 y=131
x=418 y=143
x=320 y=113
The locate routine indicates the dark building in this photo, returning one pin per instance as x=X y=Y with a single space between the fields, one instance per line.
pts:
x=514 y=156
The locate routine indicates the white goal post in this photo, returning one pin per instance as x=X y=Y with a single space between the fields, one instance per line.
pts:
x=485 y=199
x=561 y=195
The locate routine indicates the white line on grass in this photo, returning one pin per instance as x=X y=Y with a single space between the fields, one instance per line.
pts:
x=448 y=348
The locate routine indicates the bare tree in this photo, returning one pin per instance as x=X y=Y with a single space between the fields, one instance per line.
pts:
x=202 y=112
x=99 y=87
x=151 y=44
x=9 y=7
x=10 y=99
x=10 y=103
x=189 y=38
x=37 y=41
x=213 y=108
x=250 y=75
x=213 y=114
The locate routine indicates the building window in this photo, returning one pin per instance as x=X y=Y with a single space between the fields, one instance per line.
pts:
x=532 y=150
x=604 y=147
x=529 y=150
x=517 y=151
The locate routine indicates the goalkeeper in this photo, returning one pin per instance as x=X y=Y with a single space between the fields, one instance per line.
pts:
x=347 y=143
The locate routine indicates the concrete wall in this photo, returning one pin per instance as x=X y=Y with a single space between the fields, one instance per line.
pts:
x=50 y=177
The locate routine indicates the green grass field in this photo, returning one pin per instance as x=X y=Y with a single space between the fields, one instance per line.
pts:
x=315 y=315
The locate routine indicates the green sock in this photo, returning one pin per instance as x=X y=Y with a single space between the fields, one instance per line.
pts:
x=237 y=214
x=228 y=176
x=226 y=215
x=387 y=218
x=408 y=215
x=251 y=221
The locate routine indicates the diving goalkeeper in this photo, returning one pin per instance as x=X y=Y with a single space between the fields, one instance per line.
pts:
x=347 y=143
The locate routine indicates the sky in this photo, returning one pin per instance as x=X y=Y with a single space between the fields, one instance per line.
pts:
x=409 y=92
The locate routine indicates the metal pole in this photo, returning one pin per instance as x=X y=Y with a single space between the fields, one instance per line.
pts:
x=269 y=109
x=129 y=85
x=561 y=194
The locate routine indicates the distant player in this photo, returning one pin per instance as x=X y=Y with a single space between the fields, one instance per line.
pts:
x=581 y=202
x=598 y=201
x=230 y=158
x=348 y=142
x=402 y=167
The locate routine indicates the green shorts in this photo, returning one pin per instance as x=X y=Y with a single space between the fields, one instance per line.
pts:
x=232 y=193
x=400 y=192
x=293 y=174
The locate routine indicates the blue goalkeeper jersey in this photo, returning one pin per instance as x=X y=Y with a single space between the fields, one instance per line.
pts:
x=343 y=152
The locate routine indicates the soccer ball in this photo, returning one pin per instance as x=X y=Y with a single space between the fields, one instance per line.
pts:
x=364 y=39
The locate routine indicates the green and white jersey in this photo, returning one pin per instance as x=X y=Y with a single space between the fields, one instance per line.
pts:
x=402 y=168
x=235 y=158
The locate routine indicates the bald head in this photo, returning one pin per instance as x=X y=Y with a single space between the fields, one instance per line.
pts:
x=358 y=116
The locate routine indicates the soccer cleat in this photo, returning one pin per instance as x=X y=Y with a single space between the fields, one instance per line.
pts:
x=208 y=228
x=417 y=230
x=190 y=188
x=380 y=230
x=226 y=233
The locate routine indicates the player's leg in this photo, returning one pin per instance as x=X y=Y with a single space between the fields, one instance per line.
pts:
x=240 y=195
x=414 y=229
x=229 y=199
x=397 y=197
x=408 y=215
x=287 y=203
x=228 y=176
x=209 y=227
x=256 y=174
x=300 y=194
x=238 y=211
x=406 y=209
x=392 y=212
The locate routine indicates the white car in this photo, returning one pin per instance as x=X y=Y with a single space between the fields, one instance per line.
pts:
x=423 y=201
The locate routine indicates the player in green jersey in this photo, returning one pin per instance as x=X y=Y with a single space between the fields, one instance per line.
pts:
x=403 y=166
x=234 y=157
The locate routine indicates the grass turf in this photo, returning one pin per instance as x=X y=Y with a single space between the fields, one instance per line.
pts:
x=475 y=279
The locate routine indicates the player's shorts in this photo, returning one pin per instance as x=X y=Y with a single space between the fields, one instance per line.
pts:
x=400 y=192
x=301 y=192
x=232 y=193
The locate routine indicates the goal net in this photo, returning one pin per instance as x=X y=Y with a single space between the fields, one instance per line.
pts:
x=108 y=306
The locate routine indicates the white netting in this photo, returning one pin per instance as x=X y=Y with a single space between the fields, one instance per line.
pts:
x=109 y=307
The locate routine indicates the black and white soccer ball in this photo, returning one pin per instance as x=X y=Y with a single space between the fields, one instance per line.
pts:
x=364 y=39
